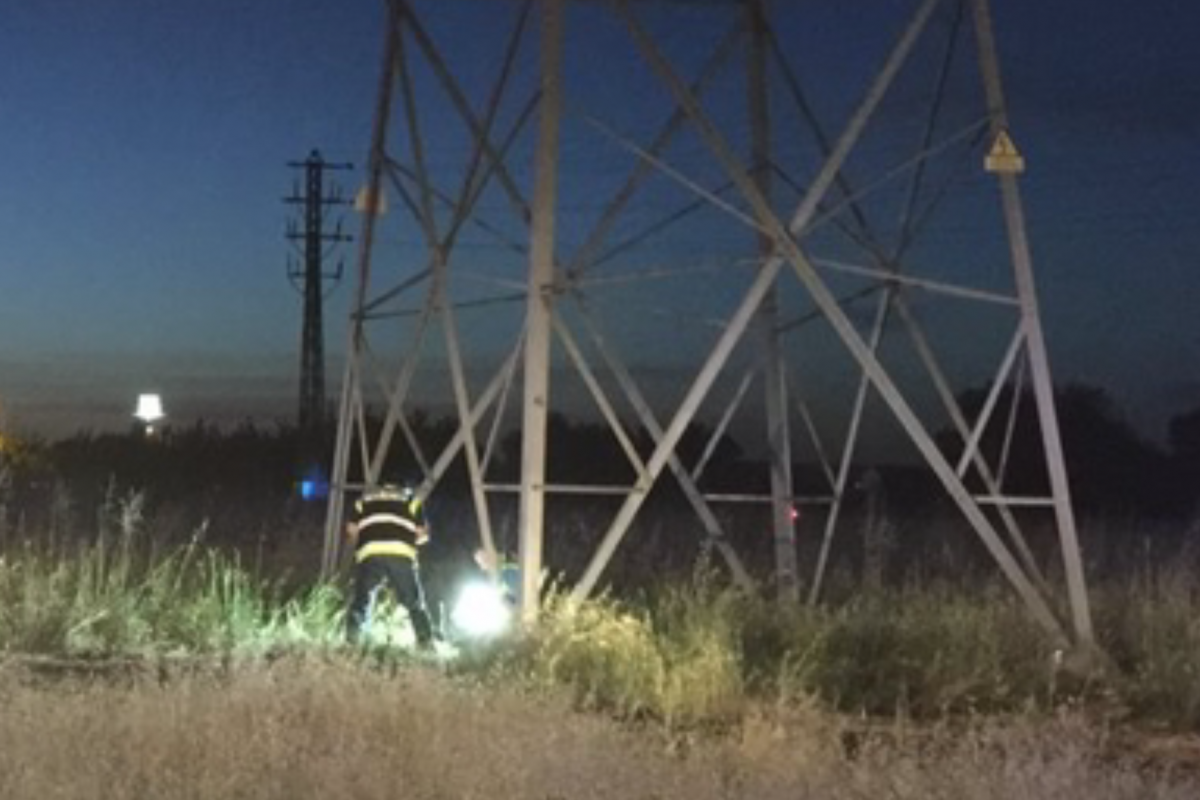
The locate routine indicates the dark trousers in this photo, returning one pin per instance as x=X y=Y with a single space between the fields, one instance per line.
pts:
x=401 y=575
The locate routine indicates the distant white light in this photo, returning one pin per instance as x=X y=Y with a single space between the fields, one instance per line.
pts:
x=149 y=408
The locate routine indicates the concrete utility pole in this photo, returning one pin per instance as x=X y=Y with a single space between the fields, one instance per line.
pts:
x=310 y=279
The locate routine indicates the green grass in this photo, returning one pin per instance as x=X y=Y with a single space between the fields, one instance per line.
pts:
x=696 y=655
x=1152 y=631
x=120 y=595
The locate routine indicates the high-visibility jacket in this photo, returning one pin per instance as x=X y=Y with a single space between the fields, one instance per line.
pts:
x=389 y=522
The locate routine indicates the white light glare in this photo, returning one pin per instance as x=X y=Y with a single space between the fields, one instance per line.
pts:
x=149 y=408
x=481 y=610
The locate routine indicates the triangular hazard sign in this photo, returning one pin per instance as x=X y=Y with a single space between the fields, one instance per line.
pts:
x=1003 y=156
x=361 y=201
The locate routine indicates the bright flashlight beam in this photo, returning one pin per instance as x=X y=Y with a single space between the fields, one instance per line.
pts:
x=480 y=610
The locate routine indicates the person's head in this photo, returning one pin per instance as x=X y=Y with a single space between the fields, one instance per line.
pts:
x=404 y=491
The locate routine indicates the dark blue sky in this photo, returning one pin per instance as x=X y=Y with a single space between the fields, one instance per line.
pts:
x=143 y=148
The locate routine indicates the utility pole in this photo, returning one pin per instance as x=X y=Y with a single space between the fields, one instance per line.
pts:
x=310 y=278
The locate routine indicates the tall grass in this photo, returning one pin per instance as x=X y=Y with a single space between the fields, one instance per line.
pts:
x=120 y=594
x=695 y=655
x=1152 y=631
x=701 y=654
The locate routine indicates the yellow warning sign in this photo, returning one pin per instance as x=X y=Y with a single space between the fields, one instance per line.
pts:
x=1003 y=156
x=362 y=201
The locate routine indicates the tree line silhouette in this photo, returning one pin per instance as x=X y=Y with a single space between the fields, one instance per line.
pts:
x=243 y=483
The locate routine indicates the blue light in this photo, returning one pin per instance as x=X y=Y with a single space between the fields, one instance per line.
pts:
x=313 y=489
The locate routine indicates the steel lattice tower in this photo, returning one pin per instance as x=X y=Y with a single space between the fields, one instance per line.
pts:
x=790 y=205
x=311 y=281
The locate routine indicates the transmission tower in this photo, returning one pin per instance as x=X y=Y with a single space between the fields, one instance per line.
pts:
x=312 y=280
x=769 y=211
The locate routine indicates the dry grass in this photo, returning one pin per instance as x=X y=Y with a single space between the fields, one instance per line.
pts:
x=332 y=728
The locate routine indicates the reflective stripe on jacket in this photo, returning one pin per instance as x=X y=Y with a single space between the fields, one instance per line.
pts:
x=385 y=549
x=388 y=524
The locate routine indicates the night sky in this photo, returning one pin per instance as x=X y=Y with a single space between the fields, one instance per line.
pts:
x=143 y=149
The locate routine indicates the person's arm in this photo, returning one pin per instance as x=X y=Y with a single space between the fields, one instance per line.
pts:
x=418 y=516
